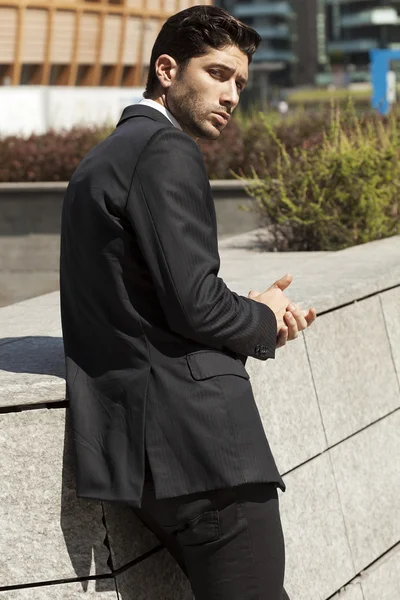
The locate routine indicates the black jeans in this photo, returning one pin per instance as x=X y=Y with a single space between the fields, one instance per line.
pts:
x=229 y=543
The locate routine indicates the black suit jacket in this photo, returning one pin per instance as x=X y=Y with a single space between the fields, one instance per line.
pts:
x=153 y=337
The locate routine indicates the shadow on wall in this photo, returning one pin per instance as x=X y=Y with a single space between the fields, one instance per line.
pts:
x=42 y=355
x=81 y=521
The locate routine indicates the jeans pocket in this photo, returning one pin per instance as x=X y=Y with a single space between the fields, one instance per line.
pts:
x=200 y=530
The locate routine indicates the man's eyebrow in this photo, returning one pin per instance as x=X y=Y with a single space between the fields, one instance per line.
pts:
x=242 y=80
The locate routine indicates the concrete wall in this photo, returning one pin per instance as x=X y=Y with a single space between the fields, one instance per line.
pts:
x=330 y=406
x=30 y=217
x=36 y=109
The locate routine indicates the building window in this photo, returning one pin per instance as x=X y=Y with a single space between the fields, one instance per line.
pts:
x=31 y=74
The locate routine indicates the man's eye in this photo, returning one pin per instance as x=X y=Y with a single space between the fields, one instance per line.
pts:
x=215 y=73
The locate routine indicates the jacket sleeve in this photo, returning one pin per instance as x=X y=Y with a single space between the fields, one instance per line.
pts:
x=171 y=212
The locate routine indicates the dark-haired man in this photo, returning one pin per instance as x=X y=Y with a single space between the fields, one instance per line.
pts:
x=163 y=414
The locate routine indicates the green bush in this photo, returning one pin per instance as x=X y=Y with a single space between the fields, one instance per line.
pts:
x=336 y=191
x=246 y=145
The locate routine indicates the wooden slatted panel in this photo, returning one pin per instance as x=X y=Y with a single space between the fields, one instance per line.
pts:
x=112 y=32
x=34 y=36
x=62 y=42
x=8 y=32
x=151 y=29
x=154 y=4
x=89 y=26
x=170 y=6
x=130 y=53
x=134 y=3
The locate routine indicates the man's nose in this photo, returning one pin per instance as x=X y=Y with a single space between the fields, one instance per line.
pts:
x=230 y=97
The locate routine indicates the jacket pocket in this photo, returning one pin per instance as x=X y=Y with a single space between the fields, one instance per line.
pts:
x=204 y=365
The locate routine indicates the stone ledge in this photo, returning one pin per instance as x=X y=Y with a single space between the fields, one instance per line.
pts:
x=101 y=589
x=56 y=186
x=325 y=280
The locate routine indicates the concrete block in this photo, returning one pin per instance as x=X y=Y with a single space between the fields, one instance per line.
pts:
x=382 y=580
x=353 y=591
x=352 y=367
x=37 y=316
x=156 y=578
x=367 y=471
x=353 y=273
x=16 y=286
x=29 y=253
x=288 y=406
x=391 y=310
x=46 y=533
x=32 y=370
x=127 y=536
x=102 y=589
x=318 y=560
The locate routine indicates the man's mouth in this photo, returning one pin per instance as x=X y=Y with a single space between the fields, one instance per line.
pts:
x=222 y=118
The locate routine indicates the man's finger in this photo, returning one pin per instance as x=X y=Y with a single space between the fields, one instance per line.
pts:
x=282 y=337
x=310 y=316
x=283 y=282
x=299 y=315
x=292 y=325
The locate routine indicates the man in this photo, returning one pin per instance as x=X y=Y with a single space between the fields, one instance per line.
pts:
x=162 y=410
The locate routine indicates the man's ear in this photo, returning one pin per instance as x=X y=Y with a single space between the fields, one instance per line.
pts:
x=166 y=69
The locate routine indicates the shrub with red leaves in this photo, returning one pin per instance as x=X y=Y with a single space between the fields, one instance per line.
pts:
x=245 y=144
x=48 y=157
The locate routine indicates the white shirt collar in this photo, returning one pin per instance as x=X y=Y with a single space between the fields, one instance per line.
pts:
x=162 y=110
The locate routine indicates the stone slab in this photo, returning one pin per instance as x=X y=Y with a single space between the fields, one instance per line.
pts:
x=29 y=252
x=102 y=589
x=32 y=370
x=285 y=395
x=353 y=273
x=367 y=471
x=382 y=580
x=353 y=591
x=46 y=533
x=17 y=286
x=352 y=367
x=391 y=310
x=36 y=316
x=318 y=559
x=127 y=536
x=156 y=578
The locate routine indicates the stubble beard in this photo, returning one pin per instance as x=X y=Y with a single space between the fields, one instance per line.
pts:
x=192 y=113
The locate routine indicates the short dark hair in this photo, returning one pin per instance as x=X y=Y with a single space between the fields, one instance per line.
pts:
x=191 y=32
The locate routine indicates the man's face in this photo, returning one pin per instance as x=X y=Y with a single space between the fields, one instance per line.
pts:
x=203 y=95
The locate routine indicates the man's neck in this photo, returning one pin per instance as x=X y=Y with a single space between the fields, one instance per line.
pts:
x=161 y=99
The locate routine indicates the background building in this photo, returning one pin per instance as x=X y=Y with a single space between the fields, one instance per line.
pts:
x=274 y=61
x=81 y=42
x=354 y=27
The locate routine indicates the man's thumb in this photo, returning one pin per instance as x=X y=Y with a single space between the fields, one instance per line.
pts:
x=284 y=281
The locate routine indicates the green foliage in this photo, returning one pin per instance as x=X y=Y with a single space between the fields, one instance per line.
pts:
x=339 y=190
x=246 y=145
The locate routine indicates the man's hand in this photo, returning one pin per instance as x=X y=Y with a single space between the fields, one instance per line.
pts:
x=290 y=318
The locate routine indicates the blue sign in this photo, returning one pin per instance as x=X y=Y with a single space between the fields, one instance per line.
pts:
x=380 y=67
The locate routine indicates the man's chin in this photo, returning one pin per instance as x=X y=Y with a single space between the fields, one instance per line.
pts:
x=210 y=133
